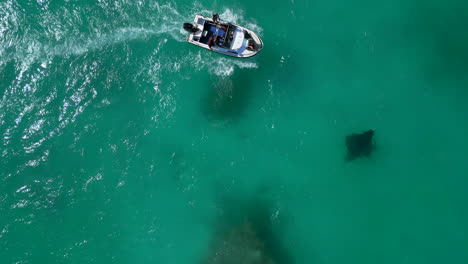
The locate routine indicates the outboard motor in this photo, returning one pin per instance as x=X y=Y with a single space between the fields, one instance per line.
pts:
x=190 y=28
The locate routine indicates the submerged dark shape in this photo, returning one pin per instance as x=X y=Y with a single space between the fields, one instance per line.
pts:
x=245 y=233
x=227 y=98
x=359 y=145
x=241 y=244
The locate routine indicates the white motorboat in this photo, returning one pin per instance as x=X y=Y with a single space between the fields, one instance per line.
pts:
x=223 y=37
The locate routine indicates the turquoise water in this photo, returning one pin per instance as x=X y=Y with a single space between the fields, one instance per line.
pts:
x=121 y=143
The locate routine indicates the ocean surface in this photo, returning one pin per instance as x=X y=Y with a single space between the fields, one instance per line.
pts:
x=122 y=143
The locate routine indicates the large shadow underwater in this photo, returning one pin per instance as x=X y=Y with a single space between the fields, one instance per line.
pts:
x=228 y=97
x=247 y=232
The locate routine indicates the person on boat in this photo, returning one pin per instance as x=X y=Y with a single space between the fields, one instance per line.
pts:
x=215 y=40
x=215 y=18
x=251 y=45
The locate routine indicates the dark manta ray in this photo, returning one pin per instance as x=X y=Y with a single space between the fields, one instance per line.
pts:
x=360 y=145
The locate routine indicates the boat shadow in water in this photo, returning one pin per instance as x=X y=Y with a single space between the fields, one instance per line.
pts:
x=227 y=97
x=244 y=233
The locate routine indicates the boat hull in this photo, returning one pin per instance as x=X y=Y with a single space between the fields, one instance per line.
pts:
x=243 y=42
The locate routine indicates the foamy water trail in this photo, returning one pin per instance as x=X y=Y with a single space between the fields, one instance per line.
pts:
x=29 y=120
x=33 y=117
x=226 y=67
x=31 y=46
x=238 y=18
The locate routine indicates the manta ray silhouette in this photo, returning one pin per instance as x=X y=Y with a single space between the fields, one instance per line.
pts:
x=360 y=145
